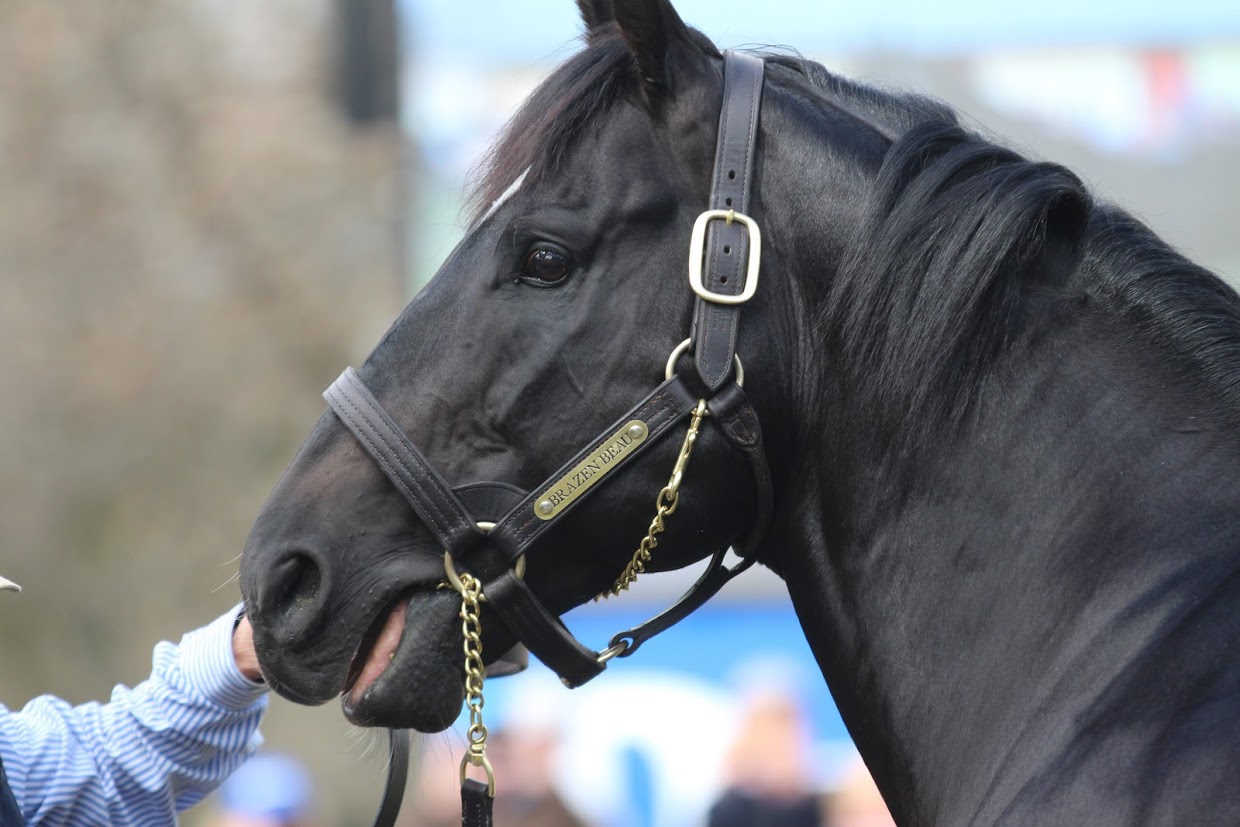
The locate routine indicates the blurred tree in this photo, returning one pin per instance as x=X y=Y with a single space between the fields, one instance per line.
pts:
x=194 y=240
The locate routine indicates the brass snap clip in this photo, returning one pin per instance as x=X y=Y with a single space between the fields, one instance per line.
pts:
x=478 y=758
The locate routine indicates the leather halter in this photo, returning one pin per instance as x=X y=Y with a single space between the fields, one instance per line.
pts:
x=727 y=239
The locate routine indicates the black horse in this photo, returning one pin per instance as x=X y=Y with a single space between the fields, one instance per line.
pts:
x=1002 y=421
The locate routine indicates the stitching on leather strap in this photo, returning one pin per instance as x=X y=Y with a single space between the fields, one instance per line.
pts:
x=391 y=465
x=441 y=524
x=390 y=429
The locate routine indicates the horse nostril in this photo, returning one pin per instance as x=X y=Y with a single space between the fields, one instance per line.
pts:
x=293 y=593
x=295 y=581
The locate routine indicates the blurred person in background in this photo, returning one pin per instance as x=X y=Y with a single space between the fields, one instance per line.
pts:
x=523 y=746
x=856 y=801
x=524 y=749
x=436 y=795
x=523 y=758
x=269 y=790
x=767 y=782
x=150 y=752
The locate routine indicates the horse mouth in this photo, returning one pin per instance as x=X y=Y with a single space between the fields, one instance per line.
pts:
x=406 y=671
x=376 y=652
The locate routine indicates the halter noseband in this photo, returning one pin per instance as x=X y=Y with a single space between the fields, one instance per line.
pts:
x=724 y=258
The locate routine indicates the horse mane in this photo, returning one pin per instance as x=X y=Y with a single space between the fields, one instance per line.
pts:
x=891 y=112
x=1192 y=314
x=956 y=231
x=962 y=238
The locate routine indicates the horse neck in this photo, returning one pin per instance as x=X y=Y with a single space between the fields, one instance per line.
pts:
x=979 y=605
x=989 y=596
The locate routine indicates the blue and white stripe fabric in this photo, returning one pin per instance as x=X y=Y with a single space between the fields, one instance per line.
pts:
x=153 y=751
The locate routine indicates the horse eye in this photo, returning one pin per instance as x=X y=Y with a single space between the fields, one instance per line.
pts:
x=545 y=266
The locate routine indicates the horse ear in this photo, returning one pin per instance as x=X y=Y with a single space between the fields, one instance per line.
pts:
x=596 y=13
x=651 y=28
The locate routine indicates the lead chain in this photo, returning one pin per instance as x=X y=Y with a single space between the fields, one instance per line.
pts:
x=665 y=506
x=471 y=630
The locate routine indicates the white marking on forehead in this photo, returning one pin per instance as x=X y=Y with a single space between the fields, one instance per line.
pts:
x=504 y=196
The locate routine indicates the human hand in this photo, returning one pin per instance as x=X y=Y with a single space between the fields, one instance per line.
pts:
x=243 y=650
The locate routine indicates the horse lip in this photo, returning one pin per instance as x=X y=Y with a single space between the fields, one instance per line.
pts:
x=292 y=695
x=422 y=687
x=388 y=623
x=400 y=600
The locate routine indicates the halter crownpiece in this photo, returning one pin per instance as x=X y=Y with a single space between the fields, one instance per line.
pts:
x=724 y=265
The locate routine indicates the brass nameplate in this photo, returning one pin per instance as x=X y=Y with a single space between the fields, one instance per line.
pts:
x=590 y=470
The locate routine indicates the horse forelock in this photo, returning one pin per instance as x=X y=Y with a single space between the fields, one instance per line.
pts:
x=534 y=141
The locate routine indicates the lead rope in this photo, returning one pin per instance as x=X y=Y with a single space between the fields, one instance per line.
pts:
x=398 y=774
x=665 y=506
x=476 y=797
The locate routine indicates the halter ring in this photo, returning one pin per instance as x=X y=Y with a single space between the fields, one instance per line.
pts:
x=614 y=650
x=680 y=351
x=449 y=567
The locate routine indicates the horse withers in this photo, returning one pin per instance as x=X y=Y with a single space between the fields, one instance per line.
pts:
x=998 y=422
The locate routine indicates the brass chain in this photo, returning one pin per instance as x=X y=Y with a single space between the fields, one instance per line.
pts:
x=665 y=505
x=475 y=673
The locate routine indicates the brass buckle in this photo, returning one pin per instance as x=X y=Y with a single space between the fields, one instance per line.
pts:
x=697 y=251
x=449 y=567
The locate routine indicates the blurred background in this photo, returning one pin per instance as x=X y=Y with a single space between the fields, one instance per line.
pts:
x=208 y=209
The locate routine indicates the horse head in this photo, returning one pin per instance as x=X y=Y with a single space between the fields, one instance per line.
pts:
x=554 y=316
x=996 y=464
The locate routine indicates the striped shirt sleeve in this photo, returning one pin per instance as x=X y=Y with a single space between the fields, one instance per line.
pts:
x=151 y=752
